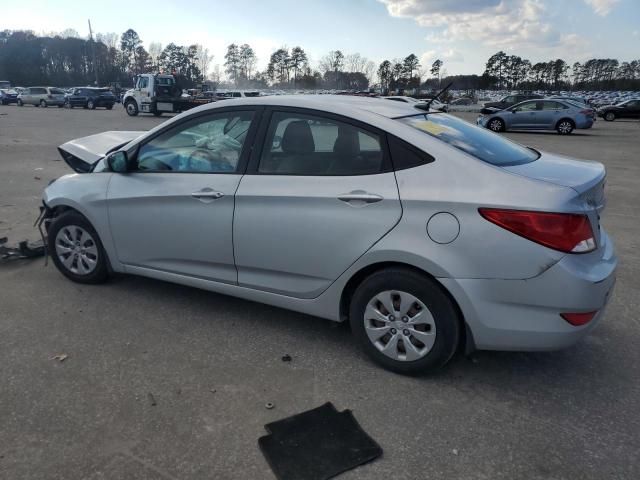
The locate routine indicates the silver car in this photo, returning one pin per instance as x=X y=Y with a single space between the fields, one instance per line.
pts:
x=547 y=114
x=42 y=97
x=428 y=234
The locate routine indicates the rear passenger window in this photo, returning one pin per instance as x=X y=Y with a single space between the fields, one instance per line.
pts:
x=298 y=144
x=405 y=156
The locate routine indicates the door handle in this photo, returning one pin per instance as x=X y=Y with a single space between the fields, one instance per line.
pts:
x=358 y=196
x=207 y=194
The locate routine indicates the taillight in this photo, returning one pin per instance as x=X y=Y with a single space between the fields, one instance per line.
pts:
x=566 y=232
x=578 y=319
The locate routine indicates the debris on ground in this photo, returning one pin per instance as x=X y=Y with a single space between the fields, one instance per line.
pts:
x=212 y=390
x=152 y=399
x=37 y=178
x=25 y=249
x=286 y=358
x=269 y=405
x=61 y=357
x=454 y=451
x=317 y=444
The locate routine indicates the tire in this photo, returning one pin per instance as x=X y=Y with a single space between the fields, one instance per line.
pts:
x=43 y=104
x=109 y=107
x=565 y=126
x=60 y=105
x=68 y=105
x=496 y=125
x=433 y=338
x=20 y=103
x=131 y=107
x=91 y=105
x=90 y=262
x=609 y=116
x=157 y=114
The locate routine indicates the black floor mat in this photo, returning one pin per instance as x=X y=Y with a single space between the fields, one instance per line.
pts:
x=317 y=445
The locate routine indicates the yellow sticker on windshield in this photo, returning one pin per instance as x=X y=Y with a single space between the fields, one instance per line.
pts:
x=429 y=127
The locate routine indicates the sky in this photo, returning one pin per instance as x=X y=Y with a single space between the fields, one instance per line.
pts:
x=462 y=33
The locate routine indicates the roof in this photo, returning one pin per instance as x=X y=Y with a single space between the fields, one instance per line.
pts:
x=338 y=104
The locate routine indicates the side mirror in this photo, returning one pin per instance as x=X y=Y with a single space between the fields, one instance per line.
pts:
x=118 y=162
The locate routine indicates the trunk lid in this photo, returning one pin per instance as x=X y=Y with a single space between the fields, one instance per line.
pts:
x=82 y=153
x=586 y=178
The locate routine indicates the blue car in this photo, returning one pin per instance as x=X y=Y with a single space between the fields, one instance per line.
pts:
x=8 y=96
x=546 y=114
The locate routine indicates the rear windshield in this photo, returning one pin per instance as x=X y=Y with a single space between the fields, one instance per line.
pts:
x=478 y=142
x=251 y=94
x=164 y=80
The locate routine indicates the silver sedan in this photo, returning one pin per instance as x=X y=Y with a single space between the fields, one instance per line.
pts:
x=428 y=234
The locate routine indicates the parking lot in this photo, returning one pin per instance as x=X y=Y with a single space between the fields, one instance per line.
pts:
x=168 y=382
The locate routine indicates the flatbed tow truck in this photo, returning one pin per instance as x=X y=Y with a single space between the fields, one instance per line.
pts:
x=158 y=94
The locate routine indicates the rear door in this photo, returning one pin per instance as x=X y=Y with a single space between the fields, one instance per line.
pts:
x=632 y=109
x=319 y=192
x=550 y=114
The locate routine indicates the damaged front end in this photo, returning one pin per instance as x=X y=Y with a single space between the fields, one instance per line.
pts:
x=26 y=249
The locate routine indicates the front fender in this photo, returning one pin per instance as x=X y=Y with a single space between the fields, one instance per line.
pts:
x=87 y=194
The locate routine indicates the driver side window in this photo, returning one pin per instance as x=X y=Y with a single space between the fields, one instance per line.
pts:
x=210 y=144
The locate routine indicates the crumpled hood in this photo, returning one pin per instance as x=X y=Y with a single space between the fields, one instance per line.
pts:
x=81 y=153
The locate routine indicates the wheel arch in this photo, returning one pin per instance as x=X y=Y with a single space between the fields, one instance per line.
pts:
x=569 y=119
x=58 y=209
x=466 y=342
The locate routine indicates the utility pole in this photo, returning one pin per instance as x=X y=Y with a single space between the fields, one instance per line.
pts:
x=93 y=53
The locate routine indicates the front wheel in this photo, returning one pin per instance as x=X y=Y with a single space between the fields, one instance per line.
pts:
x=565 y=127
x=609 y=116
x=20 y=103
x=404 y=321
x=157 y=113
x=109 y=107
x=496 y=125
x=76 y=249
x=43 y=104
x=131 y=107
x=91 y=105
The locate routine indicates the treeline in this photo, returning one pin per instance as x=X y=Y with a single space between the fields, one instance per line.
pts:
x=504 y=71
x=65 y=59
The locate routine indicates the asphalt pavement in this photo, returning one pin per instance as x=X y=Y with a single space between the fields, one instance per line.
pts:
x=167 y=382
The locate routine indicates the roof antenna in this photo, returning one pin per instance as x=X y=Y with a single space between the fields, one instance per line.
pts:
x=436 y=97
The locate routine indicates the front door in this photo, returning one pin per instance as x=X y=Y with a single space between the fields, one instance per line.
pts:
x=524 y=115
x=174 y=212
x=318 y=194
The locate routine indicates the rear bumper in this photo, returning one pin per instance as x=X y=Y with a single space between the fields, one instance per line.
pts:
x=524 y=315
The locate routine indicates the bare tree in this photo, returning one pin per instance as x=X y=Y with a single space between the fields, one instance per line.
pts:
x=155 y=49
x=204 y=60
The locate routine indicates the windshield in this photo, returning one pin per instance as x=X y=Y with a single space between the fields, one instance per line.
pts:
x=251 y=94
x=480 y=143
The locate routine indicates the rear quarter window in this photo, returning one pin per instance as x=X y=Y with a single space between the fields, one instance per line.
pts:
x=479 y=143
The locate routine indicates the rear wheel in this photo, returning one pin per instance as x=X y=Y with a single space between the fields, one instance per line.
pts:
x=91 y=105
x=76 y=249
x=109 y=107
x=609 y=116
x=404 y=321
x=131 y=107
x=20 y=103
x=43 y=104
x=565 y=127
x=496 y=125
x=157 y=113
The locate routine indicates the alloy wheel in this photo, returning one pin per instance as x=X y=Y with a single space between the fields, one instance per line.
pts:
x=565 y=127
x=399 y=325
x=77 y=250
x=495 y=125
